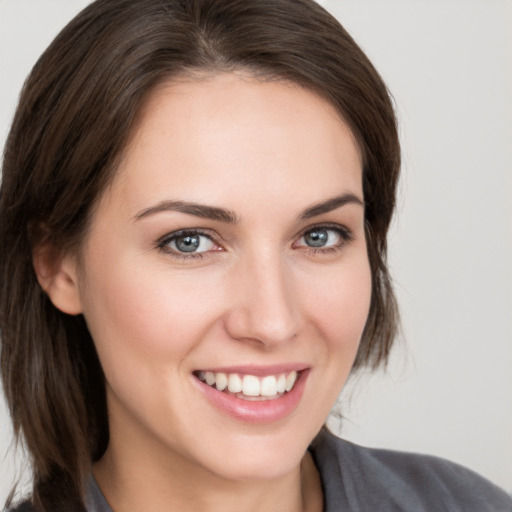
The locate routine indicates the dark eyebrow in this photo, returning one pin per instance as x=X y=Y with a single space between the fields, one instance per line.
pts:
x=330 y=205
x=199 y=210
x=230 y=217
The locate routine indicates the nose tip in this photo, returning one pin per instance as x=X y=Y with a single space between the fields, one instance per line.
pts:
x=264 y=307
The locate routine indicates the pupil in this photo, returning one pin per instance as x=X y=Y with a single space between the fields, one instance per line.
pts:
x=316 y=238
x=187 y=243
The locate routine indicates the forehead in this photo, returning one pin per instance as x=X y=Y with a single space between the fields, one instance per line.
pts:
x=234 y=139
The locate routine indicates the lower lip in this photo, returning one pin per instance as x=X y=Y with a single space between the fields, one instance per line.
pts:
x=264 y=411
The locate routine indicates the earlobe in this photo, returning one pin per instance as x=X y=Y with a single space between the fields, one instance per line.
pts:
x=57 y=276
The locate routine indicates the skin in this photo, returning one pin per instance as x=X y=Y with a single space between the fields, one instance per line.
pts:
x=257 y=295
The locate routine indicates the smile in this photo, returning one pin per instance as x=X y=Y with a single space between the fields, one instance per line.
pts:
x=250 y=387
x=253 y=394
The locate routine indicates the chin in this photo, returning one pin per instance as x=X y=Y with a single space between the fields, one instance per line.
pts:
x=269 y=467
x=258 y=458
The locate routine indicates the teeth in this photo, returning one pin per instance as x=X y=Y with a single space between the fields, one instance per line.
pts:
x=249 y=385
x=281 y=384
x=269 y=386
x=234 y=383
x=221 y=381
x=290 y=380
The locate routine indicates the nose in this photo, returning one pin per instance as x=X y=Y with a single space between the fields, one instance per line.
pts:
x=263 y=305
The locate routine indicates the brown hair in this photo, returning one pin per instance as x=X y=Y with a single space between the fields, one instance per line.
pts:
x=73 y=119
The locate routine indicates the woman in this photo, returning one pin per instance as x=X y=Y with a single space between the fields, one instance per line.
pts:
x=194 y=210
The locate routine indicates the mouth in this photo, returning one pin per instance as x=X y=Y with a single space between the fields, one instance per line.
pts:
x=250 y=387
x=254 y=394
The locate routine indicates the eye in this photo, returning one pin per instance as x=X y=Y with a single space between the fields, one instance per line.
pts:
x=324 y=237
x=187 y=243
x=321 y=238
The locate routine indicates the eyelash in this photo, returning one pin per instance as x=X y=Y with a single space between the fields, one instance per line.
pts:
x=345 y=234
x=167 y=239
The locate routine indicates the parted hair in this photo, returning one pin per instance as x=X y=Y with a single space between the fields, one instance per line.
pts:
x=73 y=120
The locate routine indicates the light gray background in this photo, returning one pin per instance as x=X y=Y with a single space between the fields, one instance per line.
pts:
x=448 y=390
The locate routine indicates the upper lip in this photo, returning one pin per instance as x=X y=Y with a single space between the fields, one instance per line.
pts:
x=257 y=370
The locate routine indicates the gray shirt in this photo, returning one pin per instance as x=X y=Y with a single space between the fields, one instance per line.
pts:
x=357 y=479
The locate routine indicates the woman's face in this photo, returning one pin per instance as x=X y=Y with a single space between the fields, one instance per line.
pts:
x=230 y=248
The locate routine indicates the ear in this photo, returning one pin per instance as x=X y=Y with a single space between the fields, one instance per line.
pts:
x=57 y=274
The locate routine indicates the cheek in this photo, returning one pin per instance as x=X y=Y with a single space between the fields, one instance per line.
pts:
x=145 y=325
x=145 y=316
x=338 y=308
x=339 y=304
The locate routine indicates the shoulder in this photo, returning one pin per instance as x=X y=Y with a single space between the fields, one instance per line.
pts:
x=358 y=478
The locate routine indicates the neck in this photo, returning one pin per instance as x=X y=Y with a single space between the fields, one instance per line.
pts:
x=138 y=472
x=143 y=486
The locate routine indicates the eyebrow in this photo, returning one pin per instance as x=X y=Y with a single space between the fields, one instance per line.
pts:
x=230 y=217
x=199 y=210
x=330 y=204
